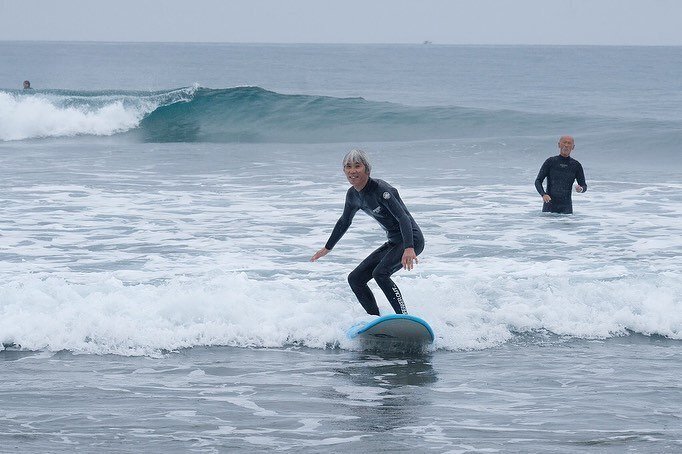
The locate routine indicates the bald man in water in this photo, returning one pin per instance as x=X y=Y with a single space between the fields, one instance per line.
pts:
x=560 y=171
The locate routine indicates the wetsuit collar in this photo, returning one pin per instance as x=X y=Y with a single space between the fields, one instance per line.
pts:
x=370 y=184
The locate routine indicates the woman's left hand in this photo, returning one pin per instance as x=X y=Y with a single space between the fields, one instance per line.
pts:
x=409 y=258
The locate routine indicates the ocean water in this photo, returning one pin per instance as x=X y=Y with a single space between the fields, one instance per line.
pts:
x=160 y=203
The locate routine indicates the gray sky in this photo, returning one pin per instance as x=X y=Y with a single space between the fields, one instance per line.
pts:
x=623 y=22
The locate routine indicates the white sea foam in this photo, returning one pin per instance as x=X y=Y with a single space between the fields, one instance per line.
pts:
x=46 y=114
x=36 y=116
x=473 y=312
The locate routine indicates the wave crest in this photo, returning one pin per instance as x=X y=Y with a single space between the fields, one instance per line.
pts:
x=60 y=113
x=256 y=115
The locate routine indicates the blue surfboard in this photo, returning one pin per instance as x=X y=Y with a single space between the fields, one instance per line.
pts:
x=394 y=328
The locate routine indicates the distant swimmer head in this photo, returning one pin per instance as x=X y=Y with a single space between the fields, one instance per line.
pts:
x=356 y=156
x=27 y=85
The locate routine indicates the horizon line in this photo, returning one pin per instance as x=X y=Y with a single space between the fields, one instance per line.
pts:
x=424 y=43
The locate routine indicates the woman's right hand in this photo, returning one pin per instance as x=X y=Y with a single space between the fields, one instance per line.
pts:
x=321 y=253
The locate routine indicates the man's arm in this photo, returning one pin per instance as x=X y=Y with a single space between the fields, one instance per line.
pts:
x=542 y=174
x=580 y=178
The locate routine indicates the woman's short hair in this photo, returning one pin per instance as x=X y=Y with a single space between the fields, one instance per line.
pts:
x=357 y=156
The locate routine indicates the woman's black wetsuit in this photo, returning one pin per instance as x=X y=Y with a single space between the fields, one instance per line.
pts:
x=382 y=202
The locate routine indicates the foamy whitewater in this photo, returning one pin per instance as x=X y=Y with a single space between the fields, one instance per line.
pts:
x=157 y=225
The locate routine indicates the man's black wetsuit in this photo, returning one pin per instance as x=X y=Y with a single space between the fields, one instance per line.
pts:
x=560 y=173
x=382 y=202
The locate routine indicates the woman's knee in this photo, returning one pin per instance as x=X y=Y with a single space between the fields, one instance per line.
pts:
x=355 y=278
x=381 y=274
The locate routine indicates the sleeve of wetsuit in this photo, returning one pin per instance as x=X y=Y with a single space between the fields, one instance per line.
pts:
x=580 y=177
x=343 y=223
x=544 y=171
x=399 y=213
